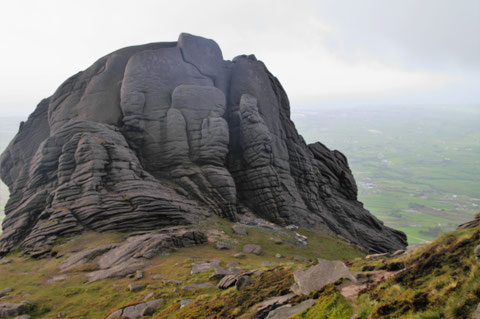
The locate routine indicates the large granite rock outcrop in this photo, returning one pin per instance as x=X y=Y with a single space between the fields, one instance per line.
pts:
x=166 y=134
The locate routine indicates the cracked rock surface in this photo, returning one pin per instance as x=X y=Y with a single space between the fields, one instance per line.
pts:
x=167 y=134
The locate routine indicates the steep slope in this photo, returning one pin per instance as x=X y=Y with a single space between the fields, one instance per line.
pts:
x=440 y=280
x=167 y=134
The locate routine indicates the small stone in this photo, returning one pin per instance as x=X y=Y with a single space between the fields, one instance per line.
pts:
x=253 y=249
x=177 y=282
x=277 y=300
x=198 y=285
x=175 y=290
x=477 y=252
x=301 y=237
x=240 y=255
x=138 y=310
x=203 y=266
x=23 y=317
x=239 y=229
x=242 y=282
x=301 y=258
x=268 y=305
x=185 y=302
x=288 y=311
x=5 y=291
x=138 y=275
x=8 y=310
x=157 y=276
x=134 y=287
x=5 y=261
x=222 y=245
x=277 y=241
x=291 y=227
x=277 y=255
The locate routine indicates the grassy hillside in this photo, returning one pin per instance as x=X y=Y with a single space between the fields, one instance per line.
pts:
x=73 y=298
x=417 y=168
x=441 y=280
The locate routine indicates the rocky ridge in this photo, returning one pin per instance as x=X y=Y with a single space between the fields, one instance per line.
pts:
x=167 y=134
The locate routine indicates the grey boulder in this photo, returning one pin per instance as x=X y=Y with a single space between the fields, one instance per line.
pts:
x=134 y=287
x=268 y=305
x=253 y=249
x=84 y=257
x=301 y=258
x=130 y=256
x=203 y=266
x=285 y=312
x=239 y=229
x=320 y=275
x=222 y=245
x=5 y=261
x=5 y=291
x=138 y=310
x=8 y=310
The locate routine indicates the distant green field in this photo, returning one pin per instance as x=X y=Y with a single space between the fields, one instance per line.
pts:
x=417 y=168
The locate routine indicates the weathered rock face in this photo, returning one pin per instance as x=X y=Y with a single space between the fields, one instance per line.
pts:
x=471 y=224
x=165 y=134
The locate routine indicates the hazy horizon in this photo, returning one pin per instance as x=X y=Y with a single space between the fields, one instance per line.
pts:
x=323 y=52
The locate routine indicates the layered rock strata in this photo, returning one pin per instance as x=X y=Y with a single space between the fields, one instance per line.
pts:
x=167 y=134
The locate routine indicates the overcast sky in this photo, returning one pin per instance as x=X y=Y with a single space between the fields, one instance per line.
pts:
x=324 y=52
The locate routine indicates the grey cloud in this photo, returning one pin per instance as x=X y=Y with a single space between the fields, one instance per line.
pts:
x=412 y=32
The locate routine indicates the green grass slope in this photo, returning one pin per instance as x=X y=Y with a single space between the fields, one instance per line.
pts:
x=441 y=280
x=74 y=298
